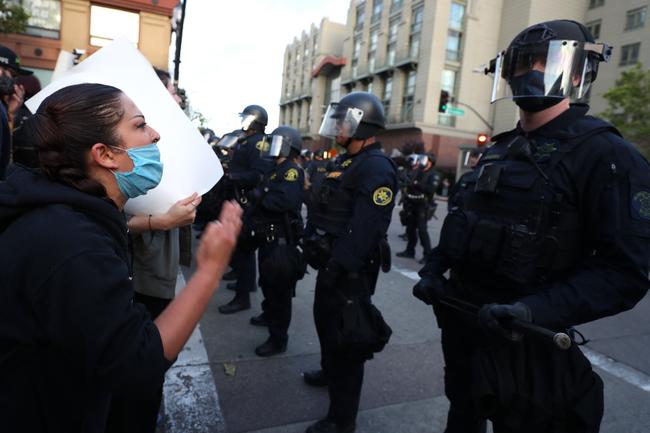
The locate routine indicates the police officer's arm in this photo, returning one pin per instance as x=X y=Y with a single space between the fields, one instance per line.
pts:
x=287 y=194
x=426 y=183
x=256 y=167
x=374 y=202
x=614 y=275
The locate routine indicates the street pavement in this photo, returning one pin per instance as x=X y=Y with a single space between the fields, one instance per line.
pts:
x=403 y=385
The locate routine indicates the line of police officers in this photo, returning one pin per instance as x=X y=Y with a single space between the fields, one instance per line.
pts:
x=550 y=230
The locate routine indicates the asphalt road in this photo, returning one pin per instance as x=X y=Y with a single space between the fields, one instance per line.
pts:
x=403 y=385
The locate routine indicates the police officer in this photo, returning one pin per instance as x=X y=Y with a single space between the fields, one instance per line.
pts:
x=552 y=228
x=418 y=204
x=246 y=171
x=278 y=226
x=348 y=223
x=316 y=172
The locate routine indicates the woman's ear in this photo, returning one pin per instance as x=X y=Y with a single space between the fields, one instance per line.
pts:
x=103 y=156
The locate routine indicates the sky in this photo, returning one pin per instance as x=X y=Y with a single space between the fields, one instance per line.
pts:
x=233 y=53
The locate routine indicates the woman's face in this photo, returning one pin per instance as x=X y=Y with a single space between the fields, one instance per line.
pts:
x=133 y=132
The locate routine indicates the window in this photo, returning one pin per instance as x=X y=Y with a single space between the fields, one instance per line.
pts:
x=453 y=45
x=395 y=6
x=391 y=49
x=455 y=34
x=370 y=87
x=103 y=29
x=594 y=28
x=44 y=19
x=407 y=100
x=361 y=16
x=388 y=93
x=376 y=11
x=596 y=3
x=630 y=54
x=390 y=57
x=414 y=45
x=372 y=49
x=456 y=16
x=356 y=48
x=416 y=19
x=392 y=31
x=635 y=18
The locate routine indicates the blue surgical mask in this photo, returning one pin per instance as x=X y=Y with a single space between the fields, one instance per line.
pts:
x=146 y=174
x=528 y=91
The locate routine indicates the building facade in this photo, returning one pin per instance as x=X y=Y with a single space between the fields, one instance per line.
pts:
x=408 y=52
x=57 y=25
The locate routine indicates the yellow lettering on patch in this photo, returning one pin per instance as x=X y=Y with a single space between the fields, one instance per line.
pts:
x=346 y=163
x=382 y=196
x=273 y=176
x=334 y=174
x=291 y=175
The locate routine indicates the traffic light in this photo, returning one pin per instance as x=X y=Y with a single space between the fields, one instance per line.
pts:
x=444 y=101
x=481 y=139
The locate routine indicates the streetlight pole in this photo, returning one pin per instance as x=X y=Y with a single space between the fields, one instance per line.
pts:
x=462 y=104
x=179 y=41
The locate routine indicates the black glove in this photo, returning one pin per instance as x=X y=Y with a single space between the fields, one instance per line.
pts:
x=329 y=275
x=430 y=289
x=498 y=318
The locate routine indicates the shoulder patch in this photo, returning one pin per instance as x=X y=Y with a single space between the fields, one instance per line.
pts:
x=641 y=204
x=291 y=175
x=262 y=146
x=382 y=196
x=346 y=163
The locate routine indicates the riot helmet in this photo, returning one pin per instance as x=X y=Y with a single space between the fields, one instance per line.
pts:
x=285 y=142
x=358 y=116
x=230 y=140
x=253 y=117
x=546 y=63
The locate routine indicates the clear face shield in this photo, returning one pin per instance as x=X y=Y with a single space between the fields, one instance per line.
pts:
x=277 y=148
x=228 y=141
x=557 y=69
x=246 y=120
x=340 y=121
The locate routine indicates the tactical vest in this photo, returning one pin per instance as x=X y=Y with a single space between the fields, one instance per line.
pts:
x=333 y=204
x=511 y=227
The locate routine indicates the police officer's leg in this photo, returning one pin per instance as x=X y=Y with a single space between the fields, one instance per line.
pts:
x=458 y=341
x=324 y=310
x=346 y=378
x=411 y=236
x=422 y=229
x=244 y=265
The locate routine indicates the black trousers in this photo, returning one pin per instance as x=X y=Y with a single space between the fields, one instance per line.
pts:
x=549 y=375
x=128 y=414
x=343 y=370
x=276 y=305
x=417 y=227
x=243 y=262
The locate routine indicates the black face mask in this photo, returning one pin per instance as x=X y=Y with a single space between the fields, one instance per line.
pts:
x=6 y=85
x=531 y=84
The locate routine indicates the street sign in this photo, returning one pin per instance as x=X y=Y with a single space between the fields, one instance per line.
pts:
x=455 y=111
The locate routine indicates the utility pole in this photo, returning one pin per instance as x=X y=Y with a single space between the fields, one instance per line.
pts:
x=178 y=24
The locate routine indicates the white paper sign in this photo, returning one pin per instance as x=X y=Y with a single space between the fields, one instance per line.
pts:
x=190 y=165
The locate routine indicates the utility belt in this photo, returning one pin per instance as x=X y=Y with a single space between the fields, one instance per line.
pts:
x=317 y=251
x=285 y=233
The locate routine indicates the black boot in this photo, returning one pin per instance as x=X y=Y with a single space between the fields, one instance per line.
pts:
x=408 y=254
x=236 y=305
x=259 y=320
x=315 y=378
x=270 y=348
x=329 y=426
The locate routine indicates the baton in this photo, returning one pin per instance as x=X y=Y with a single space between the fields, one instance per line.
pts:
x=559 y=339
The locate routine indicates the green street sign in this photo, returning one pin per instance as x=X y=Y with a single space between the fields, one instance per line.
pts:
x=455 y=111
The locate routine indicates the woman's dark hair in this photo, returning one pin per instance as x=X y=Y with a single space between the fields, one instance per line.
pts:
x=67 y=125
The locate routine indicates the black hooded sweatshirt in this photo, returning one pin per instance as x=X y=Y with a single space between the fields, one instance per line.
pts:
x=70 y=334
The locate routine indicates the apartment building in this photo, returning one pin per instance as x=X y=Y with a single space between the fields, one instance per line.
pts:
x=311 y=77
x=57 y=25
x=407 y=52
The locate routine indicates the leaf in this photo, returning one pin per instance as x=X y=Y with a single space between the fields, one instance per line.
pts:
x=229 y=369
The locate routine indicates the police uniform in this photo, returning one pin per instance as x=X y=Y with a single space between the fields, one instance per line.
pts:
x=352 y=213
x=246 y=171
x=316 y=171
x=551 y=227
x=278 y=224
x=418 y=203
